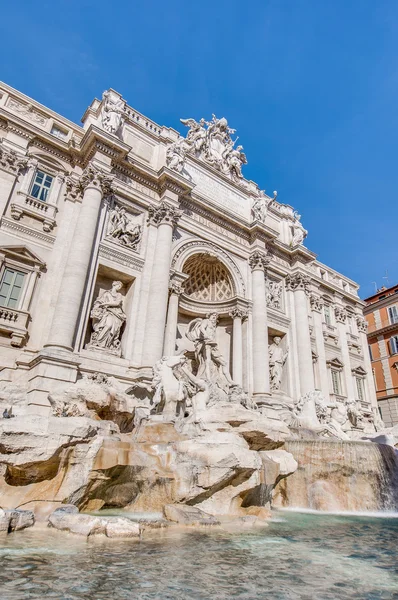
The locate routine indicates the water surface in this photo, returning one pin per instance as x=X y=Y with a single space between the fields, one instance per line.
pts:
x=299 y=556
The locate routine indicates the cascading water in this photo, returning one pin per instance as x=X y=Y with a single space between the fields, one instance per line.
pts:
x=340 y=476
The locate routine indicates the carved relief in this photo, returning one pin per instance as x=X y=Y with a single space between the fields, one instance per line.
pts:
x=274 y=293
x=27 y=111
x=108 y=317
x=362 y=325
x=123 y=228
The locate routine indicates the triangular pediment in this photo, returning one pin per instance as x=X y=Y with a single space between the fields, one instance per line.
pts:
x=335 y=363
x=22 y=254
x=360 y=371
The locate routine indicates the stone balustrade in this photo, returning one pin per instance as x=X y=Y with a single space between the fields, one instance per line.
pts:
x=14 y=323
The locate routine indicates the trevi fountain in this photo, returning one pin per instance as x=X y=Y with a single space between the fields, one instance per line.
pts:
x=188 y=408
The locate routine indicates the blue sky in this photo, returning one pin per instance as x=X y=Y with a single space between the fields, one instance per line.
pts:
x=310 y=85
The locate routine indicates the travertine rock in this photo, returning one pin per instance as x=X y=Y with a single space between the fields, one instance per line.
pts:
x=67 y=518
x=188 y=515
x=14 y=520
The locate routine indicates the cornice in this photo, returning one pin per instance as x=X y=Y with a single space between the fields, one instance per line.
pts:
x=18 y=228
x=123 y=257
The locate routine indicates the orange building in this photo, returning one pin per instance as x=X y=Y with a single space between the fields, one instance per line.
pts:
x=381 y=313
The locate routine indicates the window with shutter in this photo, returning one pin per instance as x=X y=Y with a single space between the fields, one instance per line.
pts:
x=393 y=314
x=11 y=287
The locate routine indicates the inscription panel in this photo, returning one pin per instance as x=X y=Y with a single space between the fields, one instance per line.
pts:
x=220 y=194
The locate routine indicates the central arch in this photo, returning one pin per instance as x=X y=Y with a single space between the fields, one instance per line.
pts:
x=208 y=279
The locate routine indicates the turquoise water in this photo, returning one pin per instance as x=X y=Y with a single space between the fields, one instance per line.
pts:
x=298 y=556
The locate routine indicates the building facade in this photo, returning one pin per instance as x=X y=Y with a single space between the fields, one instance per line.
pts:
x=119 y=237
x=381 y=313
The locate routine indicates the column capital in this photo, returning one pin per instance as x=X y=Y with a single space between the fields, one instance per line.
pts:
x=362 y=324
x=258 y=260
x=298 y=281
x=340 y=314
x=238 y=313
x=163 y=213
x=176 y=287
x=316 y=303
x=92 y=177
x=11 y=161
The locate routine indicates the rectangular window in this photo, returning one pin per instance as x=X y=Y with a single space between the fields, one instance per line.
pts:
x=327 y=314
x=336 y=382
x=393 y=314
x=41 y=185
x=359 y=382
x=394 y=344
x=370 y=352
x=10 y=288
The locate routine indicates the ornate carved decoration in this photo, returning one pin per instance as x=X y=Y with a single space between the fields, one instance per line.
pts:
x=298 y=232
x=362 y=324
x=91 y=177
x=163 y=213
x=24 y=231
x=340 y=314
x=316 y=303
x=211 y=142
x=203 y=246
x=123 y=228
x=10 y=161
x=259 y=260
x=27 y=111
x=238 y=313
x=298 y=281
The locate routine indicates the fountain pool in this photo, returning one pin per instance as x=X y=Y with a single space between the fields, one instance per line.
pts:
x=298 y=556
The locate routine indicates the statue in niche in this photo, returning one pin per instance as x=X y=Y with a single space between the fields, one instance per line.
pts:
x=122 y=228
x=277 y=359
x=298 y=232
x=260 y=206
x=108 y=318
x=202 y=332
x=112 y=112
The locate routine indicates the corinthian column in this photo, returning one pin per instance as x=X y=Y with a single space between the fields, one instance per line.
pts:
x=165 y=218
x=316 y=303
x=172 y=318
x=237 y=314
x=341 y=318
x=258 y=262
x=299 y=284
x=92 y=185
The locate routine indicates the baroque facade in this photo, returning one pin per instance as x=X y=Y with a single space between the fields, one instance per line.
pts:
x=123 y=243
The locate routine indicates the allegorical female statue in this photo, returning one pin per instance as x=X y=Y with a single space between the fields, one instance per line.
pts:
x=107 y=318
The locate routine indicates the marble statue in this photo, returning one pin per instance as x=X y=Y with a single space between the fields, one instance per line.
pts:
x=211 y=141
x=202 y=332
x=112 y=112
x=108 y=317
x=277 y=359
x=298 y=232
x=261 y=204
x=122 y=228
x=274 y=294
x=175 y=155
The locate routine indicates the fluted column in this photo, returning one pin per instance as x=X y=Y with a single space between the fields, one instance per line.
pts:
x=11 y=164
x=165 y=217
x=258 y=262
x=237 y=314
x=299 y=284
x=341 y=318
x=316 y=303
x=172 y=318
x=92 y=185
